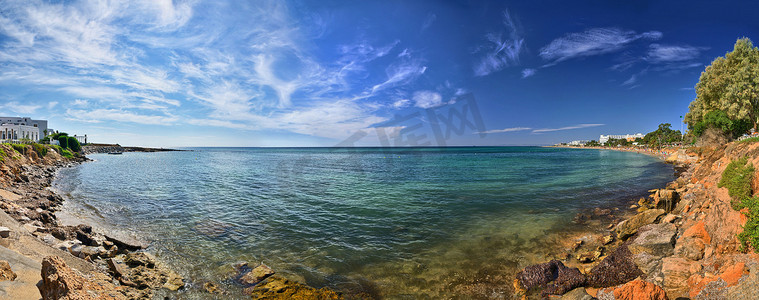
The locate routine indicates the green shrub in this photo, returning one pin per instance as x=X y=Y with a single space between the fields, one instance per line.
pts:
x=750 y=234
x=63 y=140
x=74 y=145
x=40 y=149
x=737 y=179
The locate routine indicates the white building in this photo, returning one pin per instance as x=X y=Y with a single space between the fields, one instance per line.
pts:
x=12 y=132
x=81 y=138
x=577 y=143
x=41 y=125
x=629 y=137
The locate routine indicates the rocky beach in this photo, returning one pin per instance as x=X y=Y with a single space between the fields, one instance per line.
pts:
x=681 y=242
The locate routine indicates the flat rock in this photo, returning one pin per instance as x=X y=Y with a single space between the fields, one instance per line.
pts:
x=124 y=241
x=577 y=294
x=629 y=227
x=655 y=239
x=633 y=290
x=256 y=275
x=118 y=267
x=276 y=287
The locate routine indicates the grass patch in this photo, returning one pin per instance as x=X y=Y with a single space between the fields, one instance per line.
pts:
x=750 y=140
x=40 y=149
x=737 y=179
x=67 y=154
x=20 y=148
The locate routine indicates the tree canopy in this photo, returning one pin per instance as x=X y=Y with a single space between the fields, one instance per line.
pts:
x=730 y=84
x=662 y=136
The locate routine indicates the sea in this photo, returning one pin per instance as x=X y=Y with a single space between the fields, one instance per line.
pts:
x=392 y=223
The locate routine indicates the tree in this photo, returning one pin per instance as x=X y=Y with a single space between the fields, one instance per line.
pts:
x=729 y=84
x=719 y=120
x=63 y=140
x=662 y=136
x=73 y=144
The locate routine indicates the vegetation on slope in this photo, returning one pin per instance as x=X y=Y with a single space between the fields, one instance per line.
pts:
x=737 y=179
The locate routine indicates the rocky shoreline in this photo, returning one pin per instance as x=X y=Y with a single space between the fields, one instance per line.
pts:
x=116 y=148
x=680 y=243
x=81 y=262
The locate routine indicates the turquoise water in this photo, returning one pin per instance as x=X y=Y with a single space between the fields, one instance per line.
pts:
x=401 y=223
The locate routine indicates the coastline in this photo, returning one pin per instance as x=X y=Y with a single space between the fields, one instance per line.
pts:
x=586 y=247
x=680 y=243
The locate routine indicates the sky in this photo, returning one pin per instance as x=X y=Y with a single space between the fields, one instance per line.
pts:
x=164 y=73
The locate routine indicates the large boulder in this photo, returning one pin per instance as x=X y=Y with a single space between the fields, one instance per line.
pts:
x=657 y=240
x=552 y=277
x=616 y=268
x=676 y=271
x=59 y=282
x=634 y=290
x=629 y=227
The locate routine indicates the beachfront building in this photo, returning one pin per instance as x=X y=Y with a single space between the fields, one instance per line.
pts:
x=629 y=137
x=578 y=143
x=82 y=139
x=15 y=133
x=39 y=125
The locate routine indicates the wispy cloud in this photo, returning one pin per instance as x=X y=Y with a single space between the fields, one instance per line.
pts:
x=427 y=99
x=428 y=21
x=578 y=126
x=595 y=41
x=500 y=52
x=512 y=129
x=98 y=115
x=401 y=73
x=398 y=104
x=631 y=81
x=666 y=53
x=20 y=108
x=528 y=72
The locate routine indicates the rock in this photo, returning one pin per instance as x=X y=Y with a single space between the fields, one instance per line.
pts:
x=5 y=271
x=5 y=232
x=32 y=228
x=577 y=294
x=676 y=271
x=607 y=239
x=66 y=245
x=60 y=282
x=173 y=281
x=616 y=268
x=669 y=218
x=276 y=287
x=256 y=275
x=210 y=287
x=124 y=242
x=747 y=287
x=655 y=239
x=690 y=248
x=666 y=199
x=49 y=239
x=634 y=290
x=76 y=249
x=118 y=267
x=629 y=227
x=136 y=259
x=553 y=277
x=92 y=252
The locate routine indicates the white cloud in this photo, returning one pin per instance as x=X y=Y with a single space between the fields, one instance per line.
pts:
x=512 y=129
x=119 y=116
x=52 y=104
x=401 y=103
x=428 y=21
x=591 y=42
x=528 y=72
x=631 y=81
x=427 y=99
x=664 y=53
x=578 y=126
x=20 y=108
x=400 y=73
x=501 y=52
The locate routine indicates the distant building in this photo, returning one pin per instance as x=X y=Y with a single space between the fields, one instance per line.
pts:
x=40 y=125
x=82 y=139
x=578 y=143
x=12 y=132
x=629 y=137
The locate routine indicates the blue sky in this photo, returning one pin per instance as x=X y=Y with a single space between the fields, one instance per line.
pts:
x=315 y=73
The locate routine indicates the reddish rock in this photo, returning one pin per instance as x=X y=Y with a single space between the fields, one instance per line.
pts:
x=698 y=231
x=634 y=290
x=59 y=282
x=676 y=272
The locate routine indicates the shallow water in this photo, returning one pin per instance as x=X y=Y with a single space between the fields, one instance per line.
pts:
x=402 y=223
